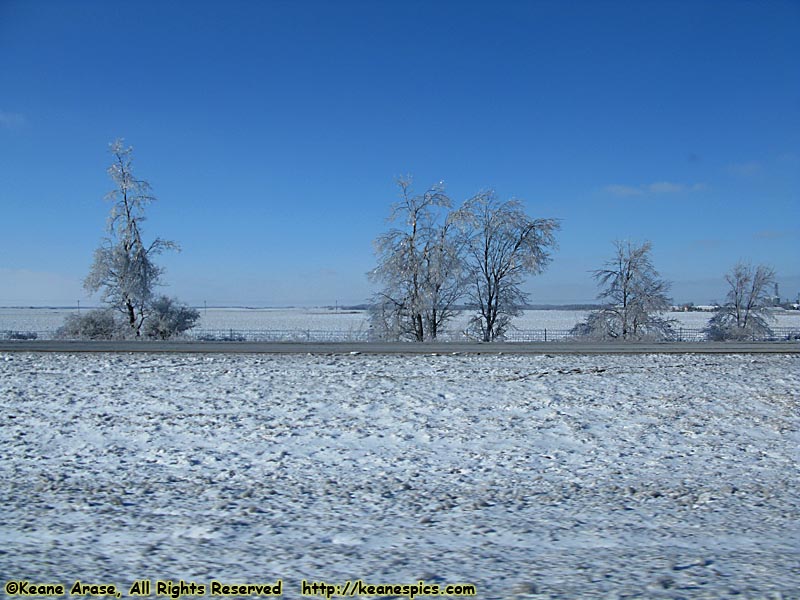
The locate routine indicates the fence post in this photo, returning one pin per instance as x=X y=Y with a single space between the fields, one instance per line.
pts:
x=545 y=334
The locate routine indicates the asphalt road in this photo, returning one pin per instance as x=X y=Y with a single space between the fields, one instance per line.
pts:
x=402 y=348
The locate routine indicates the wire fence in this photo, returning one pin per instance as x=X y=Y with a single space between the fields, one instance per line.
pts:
x=679 y=334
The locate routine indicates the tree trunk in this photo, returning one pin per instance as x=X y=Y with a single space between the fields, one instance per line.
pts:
x=419 y=331
x=131 y=316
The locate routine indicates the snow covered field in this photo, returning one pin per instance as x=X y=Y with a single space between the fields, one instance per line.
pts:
x=323 y=319
x=658 y=476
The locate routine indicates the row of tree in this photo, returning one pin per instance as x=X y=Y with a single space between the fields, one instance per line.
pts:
x=436 y=259
x=432 y=262
x=636 y=297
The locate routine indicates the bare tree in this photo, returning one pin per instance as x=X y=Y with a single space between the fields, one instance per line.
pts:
x=744 y=314
x=636 y=295
x=123 y=267
x=419 y=265
x=503 y=246
x=443 y=276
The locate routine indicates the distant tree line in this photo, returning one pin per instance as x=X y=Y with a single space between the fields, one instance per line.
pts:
x=435 y=258
x=637 y=300
x=435 y=261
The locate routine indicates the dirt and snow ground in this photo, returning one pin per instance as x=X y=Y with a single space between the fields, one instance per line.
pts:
x=657 y=476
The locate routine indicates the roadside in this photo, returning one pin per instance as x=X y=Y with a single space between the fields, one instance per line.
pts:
x=402 y=348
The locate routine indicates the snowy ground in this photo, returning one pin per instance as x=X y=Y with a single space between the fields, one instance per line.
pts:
x=657 y=476
x=323 y=319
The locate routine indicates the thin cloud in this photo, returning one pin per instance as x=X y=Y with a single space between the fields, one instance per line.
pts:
x=658 y=187
x=11 y=120
x=623 y=190
x=665 y=187
x=774 y=234
x=707 y=244
x=748 y=169
x=790 y=157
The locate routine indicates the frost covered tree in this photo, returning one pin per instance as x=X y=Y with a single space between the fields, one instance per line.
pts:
x=744 y=315
x=168 y=317
x=419 y=267
x=503 y=246
x=123 y=269
x=635 y=296
x=97 y=324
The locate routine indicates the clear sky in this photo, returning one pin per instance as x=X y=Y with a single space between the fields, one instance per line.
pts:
x=272 y=133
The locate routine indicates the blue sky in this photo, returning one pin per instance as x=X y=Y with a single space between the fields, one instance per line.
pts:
x=272 y=133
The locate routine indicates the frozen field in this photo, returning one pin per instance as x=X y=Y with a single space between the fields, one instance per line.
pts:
x=323 y=319
x=652 y=476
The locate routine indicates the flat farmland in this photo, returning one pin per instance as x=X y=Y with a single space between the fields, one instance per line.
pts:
x=324 y=319
x=667 y=476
